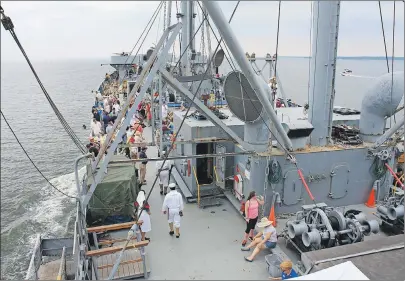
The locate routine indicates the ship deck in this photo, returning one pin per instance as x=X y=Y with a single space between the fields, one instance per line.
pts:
x=209 y=246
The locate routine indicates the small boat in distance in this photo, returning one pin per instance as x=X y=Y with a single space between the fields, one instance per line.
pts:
x=346 y=71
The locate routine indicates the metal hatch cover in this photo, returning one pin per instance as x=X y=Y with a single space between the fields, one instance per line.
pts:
x=241 y=98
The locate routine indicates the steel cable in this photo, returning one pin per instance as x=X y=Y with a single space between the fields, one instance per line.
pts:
x=232 y=64
x=32 y=162
x=185 y=115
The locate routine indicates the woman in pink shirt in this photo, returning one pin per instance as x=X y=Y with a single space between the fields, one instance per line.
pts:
x=251 y=215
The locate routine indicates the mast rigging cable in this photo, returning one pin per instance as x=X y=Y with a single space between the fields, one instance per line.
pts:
x=383 y=33
x=278 y=32
x=392 y=62
x=150 y=22
x=232 y=64
x=186 y=114
x=32 y=162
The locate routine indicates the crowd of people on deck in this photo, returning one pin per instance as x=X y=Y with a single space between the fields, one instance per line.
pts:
x=105 y=112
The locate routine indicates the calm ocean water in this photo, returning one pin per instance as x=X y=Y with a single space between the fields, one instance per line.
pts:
x=28 y=205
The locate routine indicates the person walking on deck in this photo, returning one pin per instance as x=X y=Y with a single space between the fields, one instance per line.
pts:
x=163 y=173
x=173 y=207
x=143 y=216
x=106 y=119
x=142 y=166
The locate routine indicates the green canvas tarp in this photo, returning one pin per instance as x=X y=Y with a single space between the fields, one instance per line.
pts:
x=114 y=197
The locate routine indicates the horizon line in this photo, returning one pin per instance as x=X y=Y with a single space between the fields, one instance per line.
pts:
x=286 y=56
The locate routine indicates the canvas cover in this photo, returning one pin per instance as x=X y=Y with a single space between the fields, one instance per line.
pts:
x=113 y=200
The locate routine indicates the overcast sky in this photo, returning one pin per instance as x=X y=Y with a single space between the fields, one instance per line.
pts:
x=72 y=29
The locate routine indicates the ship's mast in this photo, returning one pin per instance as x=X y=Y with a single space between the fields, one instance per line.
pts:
x=191 y=26
x=323 y=69
x=186 y=20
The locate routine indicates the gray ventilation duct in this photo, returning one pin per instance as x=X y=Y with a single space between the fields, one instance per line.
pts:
x=380 y=102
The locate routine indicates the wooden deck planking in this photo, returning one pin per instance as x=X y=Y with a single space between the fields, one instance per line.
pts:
x=131 y=267
x=125 y=271
x=115 y=249
x=110 y=227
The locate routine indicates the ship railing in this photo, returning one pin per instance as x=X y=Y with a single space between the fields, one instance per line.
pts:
x=79 y=245
x=62 y=266
x=35 y=262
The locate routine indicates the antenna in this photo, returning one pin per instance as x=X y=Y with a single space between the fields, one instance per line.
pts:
x=242 y=99
x=218 y=58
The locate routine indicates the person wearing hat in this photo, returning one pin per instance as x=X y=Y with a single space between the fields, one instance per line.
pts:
x=142 y=167
x=162 y=171
x=287 y=271
x=173 y=207
x=144 y=215
x=266 y=239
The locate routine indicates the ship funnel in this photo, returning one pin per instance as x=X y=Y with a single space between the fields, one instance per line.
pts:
x=379 y=102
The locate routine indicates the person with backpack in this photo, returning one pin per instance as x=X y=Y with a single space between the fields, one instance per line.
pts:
x=251 y=214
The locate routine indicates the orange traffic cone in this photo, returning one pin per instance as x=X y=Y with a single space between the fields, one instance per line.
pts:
x=371 y=199
x=272 y=216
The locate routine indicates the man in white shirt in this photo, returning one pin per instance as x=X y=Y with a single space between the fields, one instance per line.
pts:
x=107 y=107
x=173 y=207
x=109 y=127
x=99 y=96
x=163 y=173
x=95 y=128
x=117 y=107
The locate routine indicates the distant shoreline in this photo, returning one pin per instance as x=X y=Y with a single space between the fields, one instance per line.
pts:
x=350 y=58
